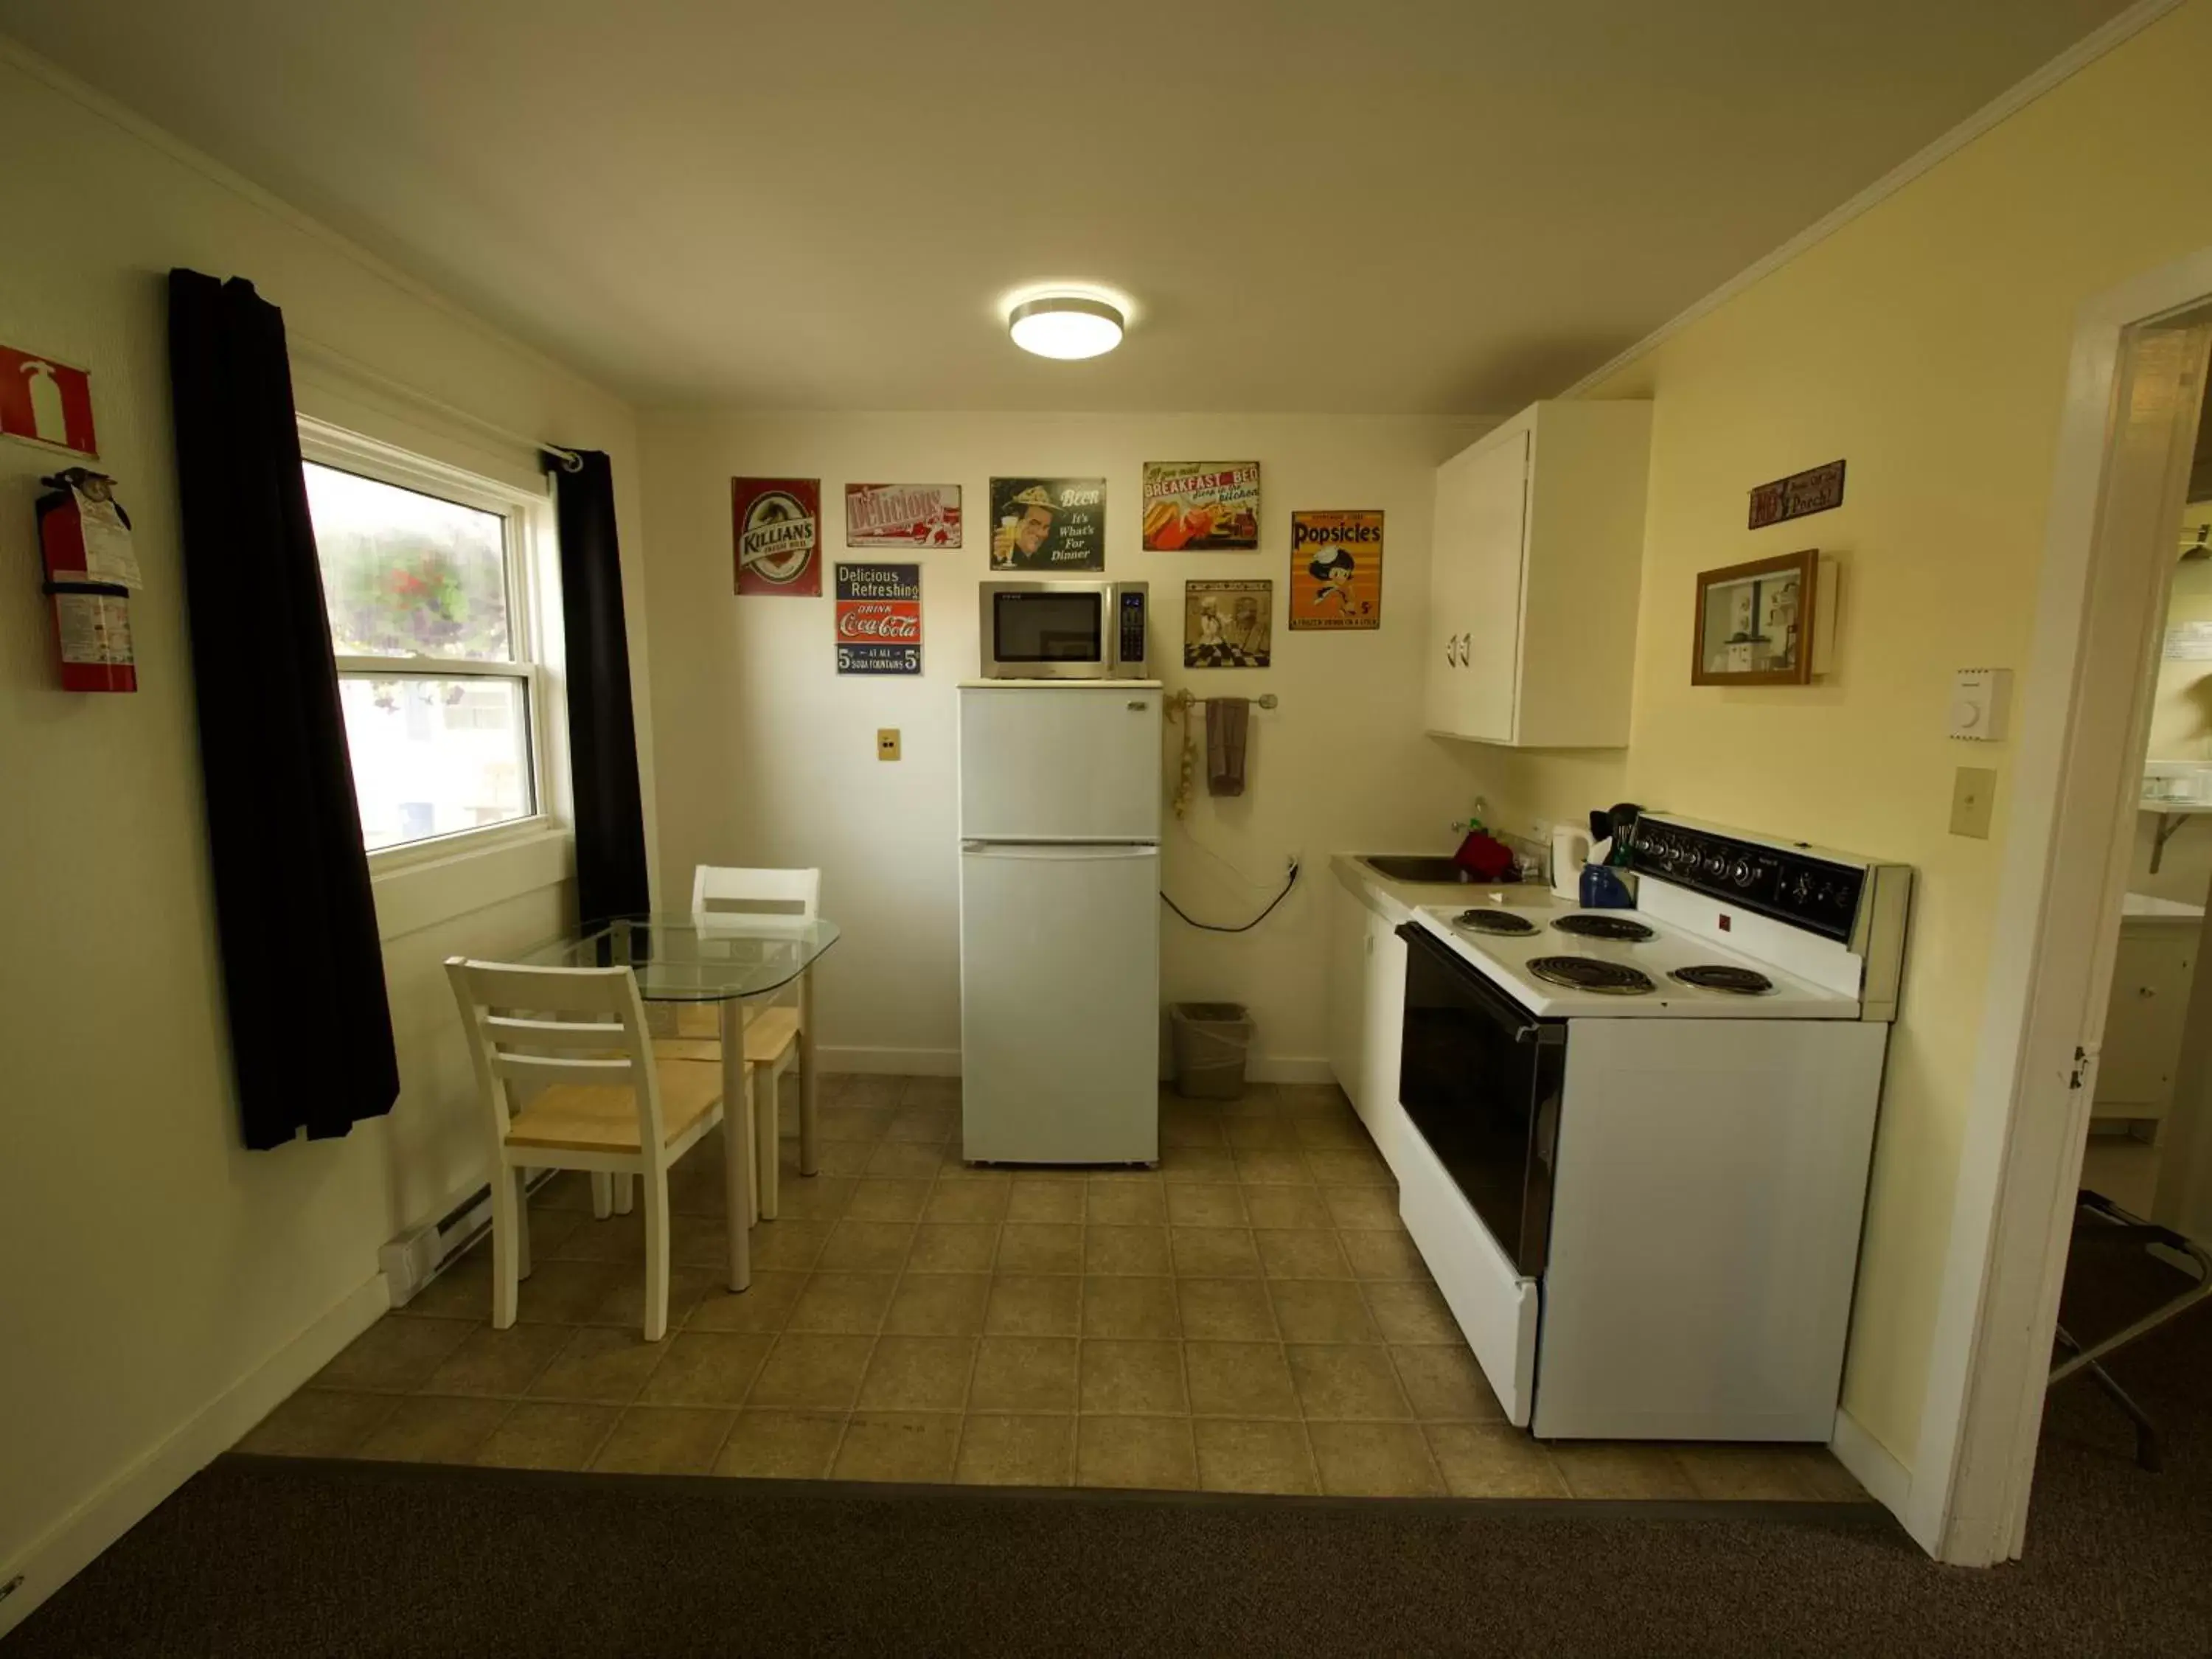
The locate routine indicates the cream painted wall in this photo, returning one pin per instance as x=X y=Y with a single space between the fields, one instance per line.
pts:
x=1926 y=341
x=766 y=754
x=148 y=1263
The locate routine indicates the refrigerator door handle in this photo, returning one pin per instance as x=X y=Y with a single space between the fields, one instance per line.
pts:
x=1072 y=851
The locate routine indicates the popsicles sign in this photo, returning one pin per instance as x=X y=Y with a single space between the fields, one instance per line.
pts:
x=46 y=401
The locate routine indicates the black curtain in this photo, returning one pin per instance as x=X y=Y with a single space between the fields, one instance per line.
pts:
x=602 y=734
x=302 y=967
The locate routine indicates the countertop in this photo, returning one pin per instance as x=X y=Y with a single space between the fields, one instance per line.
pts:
x=2141 y=908
x=1397 y=900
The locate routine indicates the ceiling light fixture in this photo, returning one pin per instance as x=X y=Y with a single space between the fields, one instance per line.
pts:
x=1066 y=325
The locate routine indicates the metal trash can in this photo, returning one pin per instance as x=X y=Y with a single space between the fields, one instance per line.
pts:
x=1210 y=1041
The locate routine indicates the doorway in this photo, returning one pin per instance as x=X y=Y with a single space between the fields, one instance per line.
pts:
x=2090 y=690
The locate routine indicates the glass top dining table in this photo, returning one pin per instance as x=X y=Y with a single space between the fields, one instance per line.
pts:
x=731 y=962
x=698 y=956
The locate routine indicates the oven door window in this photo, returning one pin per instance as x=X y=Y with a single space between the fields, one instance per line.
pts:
x=1481 y=1078
x=1048 y=627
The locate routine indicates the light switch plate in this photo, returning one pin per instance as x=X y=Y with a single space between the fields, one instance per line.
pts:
x=887 y=744
x=1973 y=798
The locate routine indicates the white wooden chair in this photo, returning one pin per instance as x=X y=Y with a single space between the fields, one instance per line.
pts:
x=569 y=1081
x=772 y=1045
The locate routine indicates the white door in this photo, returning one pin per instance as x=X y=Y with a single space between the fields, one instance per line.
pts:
x=1073 y=762
x=1060 y=1004
x=1481 y=517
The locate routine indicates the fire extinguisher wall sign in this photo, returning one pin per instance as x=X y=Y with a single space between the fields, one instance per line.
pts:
x=46 y=401
x=84 y=539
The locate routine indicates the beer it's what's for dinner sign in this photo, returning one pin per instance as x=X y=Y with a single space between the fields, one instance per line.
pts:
x=778 y=525
x=879 y=619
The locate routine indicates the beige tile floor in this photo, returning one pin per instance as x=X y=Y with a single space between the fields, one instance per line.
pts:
x=1249 y=1317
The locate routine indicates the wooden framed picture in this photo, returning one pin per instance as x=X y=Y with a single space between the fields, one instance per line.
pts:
x=1755 y=622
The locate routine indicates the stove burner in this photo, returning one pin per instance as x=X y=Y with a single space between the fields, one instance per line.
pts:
x=1494 y=922
x=1611 y=979
x=1715 y=976
x=1616 y=927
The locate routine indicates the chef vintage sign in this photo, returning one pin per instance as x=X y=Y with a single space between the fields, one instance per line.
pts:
x=879 y=619
x=778 y=525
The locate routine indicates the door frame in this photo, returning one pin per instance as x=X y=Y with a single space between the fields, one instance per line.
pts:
x=2133 y=390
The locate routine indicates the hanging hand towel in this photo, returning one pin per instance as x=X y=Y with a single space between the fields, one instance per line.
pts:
x=1227 y=720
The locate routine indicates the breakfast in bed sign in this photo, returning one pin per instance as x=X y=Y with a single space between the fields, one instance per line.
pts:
x=1202 y=507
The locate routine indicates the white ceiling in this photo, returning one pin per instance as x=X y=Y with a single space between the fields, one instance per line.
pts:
x=1448 y=206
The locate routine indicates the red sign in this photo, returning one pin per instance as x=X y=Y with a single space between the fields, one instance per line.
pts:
x=779 y=532
x=47 y=402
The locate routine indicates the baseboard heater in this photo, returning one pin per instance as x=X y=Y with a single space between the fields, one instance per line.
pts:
x=417 y=1256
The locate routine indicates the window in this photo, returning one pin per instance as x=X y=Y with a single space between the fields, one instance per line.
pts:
x=424 y=580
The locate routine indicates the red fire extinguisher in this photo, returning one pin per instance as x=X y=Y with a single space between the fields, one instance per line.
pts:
x=84 y=538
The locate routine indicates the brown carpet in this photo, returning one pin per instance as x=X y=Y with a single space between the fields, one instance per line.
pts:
x=277 y=1557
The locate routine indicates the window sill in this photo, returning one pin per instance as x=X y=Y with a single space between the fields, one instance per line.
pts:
x=420 y=885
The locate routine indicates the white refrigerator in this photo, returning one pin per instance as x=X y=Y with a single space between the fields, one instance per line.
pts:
x=1059 y=928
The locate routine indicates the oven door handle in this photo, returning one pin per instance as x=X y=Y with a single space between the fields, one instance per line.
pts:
x=1493 y=1002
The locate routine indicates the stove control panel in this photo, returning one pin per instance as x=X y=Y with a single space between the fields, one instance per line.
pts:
x=1806 y=891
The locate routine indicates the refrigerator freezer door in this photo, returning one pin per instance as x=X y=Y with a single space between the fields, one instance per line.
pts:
x=1076 y=762
x=1060 y=1004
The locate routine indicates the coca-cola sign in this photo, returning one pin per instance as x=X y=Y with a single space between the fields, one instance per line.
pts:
x=879 y=618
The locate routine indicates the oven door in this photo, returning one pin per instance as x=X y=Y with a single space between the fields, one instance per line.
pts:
x=1047 y=630
x=1479 y=1077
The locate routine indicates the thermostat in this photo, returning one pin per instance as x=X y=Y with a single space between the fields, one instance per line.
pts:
x=1977 y=704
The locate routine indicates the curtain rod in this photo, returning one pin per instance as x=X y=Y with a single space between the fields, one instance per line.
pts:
x=569 y=460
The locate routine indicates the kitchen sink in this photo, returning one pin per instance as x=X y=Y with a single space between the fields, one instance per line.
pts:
x=1415 y=867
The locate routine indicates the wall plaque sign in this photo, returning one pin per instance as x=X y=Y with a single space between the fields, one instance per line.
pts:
x=879 y=619
x=778 y=523
x=1797 y=496
x=902 y=515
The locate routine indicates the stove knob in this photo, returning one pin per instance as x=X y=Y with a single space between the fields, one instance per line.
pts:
x=1740 y=875
x=1716 y=865
x=1803 y=890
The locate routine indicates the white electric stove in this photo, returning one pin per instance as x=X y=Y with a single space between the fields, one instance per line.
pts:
x=1643 y=1135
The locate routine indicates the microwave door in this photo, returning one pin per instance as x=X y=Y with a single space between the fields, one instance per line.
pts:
x=1039 y=634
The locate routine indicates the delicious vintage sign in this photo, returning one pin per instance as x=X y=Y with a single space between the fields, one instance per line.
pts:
x=1336 y=570
x=779 y=532
x=879 y=618
x=902 y=515
x=1199 y=506
x=1798 y=495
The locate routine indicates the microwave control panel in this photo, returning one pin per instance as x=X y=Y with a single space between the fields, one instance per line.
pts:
x=1133 y=628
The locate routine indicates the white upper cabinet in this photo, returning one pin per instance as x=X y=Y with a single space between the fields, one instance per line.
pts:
x=1533 y=584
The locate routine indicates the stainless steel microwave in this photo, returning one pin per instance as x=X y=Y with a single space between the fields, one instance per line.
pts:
x=1066 y=630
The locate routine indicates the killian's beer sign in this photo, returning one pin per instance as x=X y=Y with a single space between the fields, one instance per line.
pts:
x=879 y=619
x=779 y=532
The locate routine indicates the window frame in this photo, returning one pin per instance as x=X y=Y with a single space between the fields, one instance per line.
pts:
x=528 y=540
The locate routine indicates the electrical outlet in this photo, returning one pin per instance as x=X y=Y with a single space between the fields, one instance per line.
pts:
x=1973 y=798
x=887 y=744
